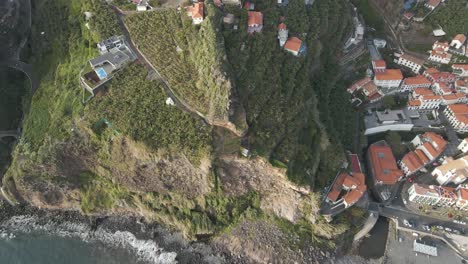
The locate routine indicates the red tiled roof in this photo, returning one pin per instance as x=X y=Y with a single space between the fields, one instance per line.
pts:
x=414 y=103
x=336 y=188
x=453 y=96
x=418 y=80
x=389 y=74
x=433 y=3
x=293 y=44
x=459 y=108
x=437 y=140
x=355 y=165
x=431 y=71
x=255 y=18
x=197 y=10
x=463 y=193
x=460 y=66
x=384 y=165
x=359 y=84
x=379 y=64
x=423 y=91
x=412 y=162
x=422 y=157
x=461 y=38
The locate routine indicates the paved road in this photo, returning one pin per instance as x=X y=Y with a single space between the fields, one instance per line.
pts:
x=453 y=140
x=9 y=133
x=26 y=68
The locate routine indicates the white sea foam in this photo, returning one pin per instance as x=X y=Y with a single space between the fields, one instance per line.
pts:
x=146 y=250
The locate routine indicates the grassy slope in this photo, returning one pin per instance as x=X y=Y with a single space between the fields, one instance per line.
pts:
x=452 y=16
x=195 y=72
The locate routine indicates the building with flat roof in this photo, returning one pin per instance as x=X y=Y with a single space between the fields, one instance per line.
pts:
x=425 y=249
x=463 y=147
x=452 y=171
x=395 y=120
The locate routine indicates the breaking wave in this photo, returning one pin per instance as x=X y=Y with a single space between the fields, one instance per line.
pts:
x=146 y=250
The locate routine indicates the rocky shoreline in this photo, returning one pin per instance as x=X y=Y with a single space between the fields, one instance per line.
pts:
x=150 y=242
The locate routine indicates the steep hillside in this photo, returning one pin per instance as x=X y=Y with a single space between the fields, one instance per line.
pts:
x=191 y=59
x=127 y=152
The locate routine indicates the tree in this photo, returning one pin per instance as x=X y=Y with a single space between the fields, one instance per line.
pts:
x=389 y=102
x=394 y=139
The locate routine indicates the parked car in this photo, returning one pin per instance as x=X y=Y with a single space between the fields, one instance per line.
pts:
x=448 y=229
x=426 y=227
x=440 y=227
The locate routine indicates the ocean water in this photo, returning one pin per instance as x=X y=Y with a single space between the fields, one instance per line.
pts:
x=26 y=240
x=40 y=248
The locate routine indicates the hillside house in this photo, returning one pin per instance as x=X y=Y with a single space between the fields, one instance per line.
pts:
x=347 y=189
x=431 y=144
x=196 y=11
x=461 y=85
x=458 y=41
x=411 y=62
x=413 y=162
x=442 y=88
x=440 y=56
x=295 y=46
x=432 y=4
x=255 y=22
x=356 y=86
x=282 y=34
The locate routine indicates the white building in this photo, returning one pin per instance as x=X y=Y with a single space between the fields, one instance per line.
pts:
x=432 y=195
x=440 y=57
x=463 y=147
x=458 y=41
x=432 y=4
x=390 y=78
x=457 y=115
x=424 y=99
x=380 y=43
x=411 y=83
x=461 y=70
x=282 y=34
x=441 y=88
x=442 y=46
x=431 y=144
x=411 y=62
x=196 y=11
x=452 y=171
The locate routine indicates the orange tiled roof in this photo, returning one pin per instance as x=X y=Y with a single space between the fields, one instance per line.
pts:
x=423 y=91
x=282 y=26
x=459 y=108
x=414 y=103
x=197 y=10
x=433 y=3
x=293 y=44
x=359 y=84
x=384 y=164
x=418 y=80
x=460 y=66
x=336 y=188
x=422 y=156
x=453 y=96
x=461 y=38
x=379 y=64
x=255 y=18
x=431 y=71
x=463 y=193
x=389 y=74
x=412 y=161
x=436 y=139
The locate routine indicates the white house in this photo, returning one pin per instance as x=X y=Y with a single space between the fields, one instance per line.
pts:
x=431 y=144
x=441 y=88
x=432 y=4
x=452 y=171
x=443 y=46
x=423 y=99
x=196 y=11
x=458 y=41
x=282 y=34
x=389 y=78
x=463 y=147
x=440 y=56
x=461 y=70
x=457 y=115
x=411 y=83
x=411 y=62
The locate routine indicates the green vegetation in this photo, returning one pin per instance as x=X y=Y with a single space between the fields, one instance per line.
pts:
x=371 y=16
x=394 y=140
x=103 y=20
x=98 y=193
x=189 y=57
x=280 y=91
x=136 y=107
x=451 y=16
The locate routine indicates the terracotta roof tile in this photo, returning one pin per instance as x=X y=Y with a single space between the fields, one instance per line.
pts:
x=293 y=44
x=389 y=74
